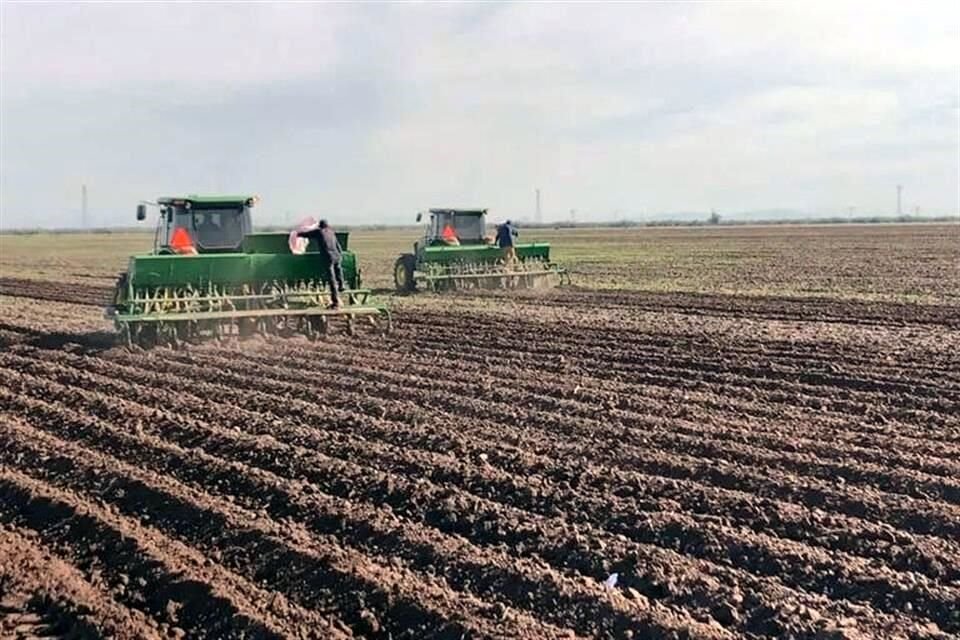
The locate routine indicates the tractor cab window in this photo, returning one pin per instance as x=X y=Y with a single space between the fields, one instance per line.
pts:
x=218 y=228
x=206 y=221
x=469 y=228
x=438 y=223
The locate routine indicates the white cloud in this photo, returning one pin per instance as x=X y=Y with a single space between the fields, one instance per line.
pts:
x=376 y=111
x=84 y=47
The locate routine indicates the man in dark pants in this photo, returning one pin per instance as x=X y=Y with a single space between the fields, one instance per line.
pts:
x=327 y=240
x=506 y=232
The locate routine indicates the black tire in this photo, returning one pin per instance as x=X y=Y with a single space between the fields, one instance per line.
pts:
x=403 y=273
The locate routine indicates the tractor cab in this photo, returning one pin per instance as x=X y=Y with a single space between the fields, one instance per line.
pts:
x=201 y=224
x=456 y=226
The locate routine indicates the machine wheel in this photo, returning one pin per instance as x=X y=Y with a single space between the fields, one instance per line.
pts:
x=403 y=273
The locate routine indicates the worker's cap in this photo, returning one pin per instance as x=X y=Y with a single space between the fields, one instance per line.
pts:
x=507 y=222
x=323 y=224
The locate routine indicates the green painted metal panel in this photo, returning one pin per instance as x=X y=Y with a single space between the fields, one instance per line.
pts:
x=274 y=243
x=482 y=253
x=235 y=269
x=278 y=242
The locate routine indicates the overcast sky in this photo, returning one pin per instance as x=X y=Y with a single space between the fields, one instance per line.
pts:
x=367 y=113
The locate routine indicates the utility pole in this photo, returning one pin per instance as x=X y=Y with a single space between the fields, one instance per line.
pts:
x=539 y=215
x=899 y=199
x=83 y=207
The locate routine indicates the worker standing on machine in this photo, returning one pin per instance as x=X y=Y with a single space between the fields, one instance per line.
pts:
x=327 y=239
x=506 y=232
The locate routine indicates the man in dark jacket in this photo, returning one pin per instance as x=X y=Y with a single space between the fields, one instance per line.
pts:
x=506 y=232
x=329 y=246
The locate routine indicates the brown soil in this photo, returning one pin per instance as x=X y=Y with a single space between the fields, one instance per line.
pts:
x=748 y=467
x=73 y=291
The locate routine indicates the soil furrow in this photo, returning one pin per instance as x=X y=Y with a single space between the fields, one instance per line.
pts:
x=774 y=456
x=570 y=437
x=919 y=603
x=488 y=573
x=695 y=366
x=172 y=585
x=374 y=599
x=73 y=292
x=638 y=399
x=902 y=551
x=765 y=307
x=874 y=413
x=47 y=596
x=709 y=442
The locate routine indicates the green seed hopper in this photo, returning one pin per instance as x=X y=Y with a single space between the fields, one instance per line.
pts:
x=209 y=276
x=455 y=253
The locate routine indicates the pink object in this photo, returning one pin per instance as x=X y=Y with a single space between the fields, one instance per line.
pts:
x=297 y=244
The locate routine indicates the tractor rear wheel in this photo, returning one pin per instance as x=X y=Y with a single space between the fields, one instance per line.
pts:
x=403 y=273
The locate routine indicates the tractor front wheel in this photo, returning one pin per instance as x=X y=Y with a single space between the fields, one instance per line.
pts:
x=403 y=273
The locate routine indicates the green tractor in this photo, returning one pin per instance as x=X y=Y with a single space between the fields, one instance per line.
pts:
x=456 y=253
x=210 y=276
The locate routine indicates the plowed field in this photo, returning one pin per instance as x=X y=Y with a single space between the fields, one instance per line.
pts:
x=569 y=463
